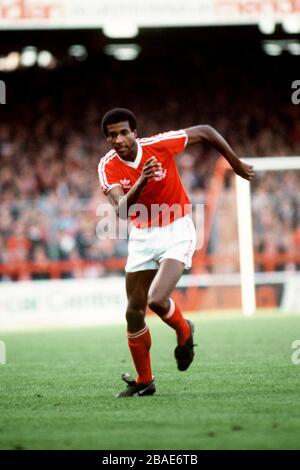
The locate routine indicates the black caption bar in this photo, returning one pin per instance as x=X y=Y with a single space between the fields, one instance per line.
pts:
x=137 y=458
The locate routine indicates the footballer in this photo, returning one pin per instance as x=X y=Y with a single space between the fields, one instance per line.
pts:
x=140 y=179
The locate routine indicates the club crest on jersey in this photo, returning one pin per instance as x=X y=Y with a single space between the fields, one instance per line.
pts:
x=160 y=175
x=126 y=184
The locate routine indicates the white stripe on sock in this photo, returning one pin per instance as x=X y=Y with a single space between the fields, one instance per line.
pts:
x=137 y=333
x=170 y=312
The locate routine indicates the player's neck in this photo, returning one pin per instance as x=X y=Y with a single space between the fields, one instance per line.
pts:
x=132 y=156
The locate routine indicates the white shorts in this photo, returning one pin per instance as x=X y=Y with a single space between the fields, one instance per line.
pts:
x=147 y=247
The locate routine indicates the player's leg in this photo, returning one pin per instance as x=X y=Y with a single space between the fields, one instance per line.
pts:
x=168 y=274
x=160 y=302
x=139 y=339
x=137 y=288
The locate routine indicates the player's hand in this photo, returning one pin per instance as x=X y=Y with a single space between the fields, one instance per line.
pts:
x=244 y=170
x=151 y=167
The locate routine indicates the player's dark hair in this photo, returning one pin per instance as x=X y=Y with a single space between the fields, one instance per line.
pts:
x=117 y=115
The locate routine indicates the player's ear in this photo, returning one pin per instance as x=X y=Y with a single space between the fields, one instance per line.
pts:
x=135 y=133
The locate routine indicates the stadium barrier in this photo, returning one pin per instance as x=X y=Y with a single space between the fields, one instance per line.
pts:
x=86 y=302
x=62 y=303
x=23 y=270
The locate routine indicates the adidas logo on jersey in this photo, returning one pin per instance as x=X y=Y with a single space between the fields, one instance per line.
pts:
x=125 y=183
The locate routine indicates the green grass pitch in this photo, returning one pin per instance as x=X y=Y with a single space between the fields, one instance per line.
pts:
x=242 y=391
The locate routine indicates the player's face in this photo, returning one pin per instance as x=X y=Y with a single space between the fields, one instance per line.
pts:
x=122 y=139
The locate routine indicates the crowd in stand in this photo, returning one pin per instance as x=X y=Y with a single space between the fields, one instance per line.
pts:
x=50 y=146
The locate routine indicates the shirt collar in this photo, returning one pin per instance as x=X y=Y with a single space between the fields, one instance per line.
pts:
x=138 y=157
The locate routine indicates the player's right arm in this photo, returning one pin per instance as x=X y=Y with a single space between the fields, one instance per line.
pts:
x=121 y=201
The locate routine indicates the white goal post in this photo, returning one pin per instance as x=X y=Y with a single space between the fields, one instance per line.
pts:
x=245 y=231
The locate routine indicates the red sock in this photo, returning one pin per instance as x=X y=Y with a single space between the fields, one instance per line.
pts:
x=139 y=344
x=176 y=321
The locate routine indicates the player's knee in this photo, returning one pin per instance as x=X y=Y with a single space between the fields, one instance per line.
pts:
x=135 y=316
x=155 y=302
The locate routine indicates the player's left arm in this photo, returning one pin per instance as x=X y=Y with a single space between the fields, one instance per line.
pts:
x=207 y=133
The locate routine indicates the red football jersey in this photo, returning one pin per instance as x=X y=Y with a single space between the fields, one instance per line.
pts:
x=164 y=198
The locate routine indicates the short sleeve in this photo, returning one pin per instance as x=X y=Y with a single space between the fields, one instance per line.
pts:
x=107 y=176
x=173 y=141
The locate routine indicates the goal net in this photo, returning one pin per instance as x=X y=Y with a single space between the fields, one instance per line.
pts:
x=275 y=206
x=252 y=254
